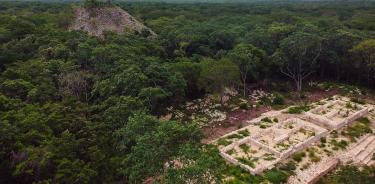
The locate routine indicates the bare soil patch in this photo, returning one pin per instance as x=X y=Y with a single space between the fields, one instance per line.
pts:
x=235 y=120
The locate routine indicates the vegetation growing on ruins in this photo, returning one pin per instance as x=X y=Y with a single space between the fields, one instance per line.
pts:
x=350 y=174
x=298 y=109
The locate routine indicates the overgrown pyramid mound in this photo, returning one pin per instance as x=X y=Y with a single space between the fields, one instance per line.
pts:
x=96 y=20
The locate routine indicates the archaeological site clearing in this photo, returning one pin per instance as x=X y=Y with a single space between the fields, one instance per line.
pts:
x=318 y=138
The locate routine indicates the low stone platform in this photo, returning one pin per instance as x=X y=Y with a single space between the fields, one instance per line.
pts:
x=275 y=136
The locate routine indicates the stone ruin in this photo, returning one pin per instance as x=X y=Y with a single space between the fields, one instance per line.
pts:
x=277 y=135
x=336 y=114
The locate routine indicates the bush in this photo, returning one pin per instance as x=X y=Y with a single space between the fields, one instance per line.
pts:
x=244 y=133
x=263 y=126
x=315 y=158
x=289 y=167
x=278 y=100
x=339 y=145
x=244 y=106
x=364 y=120
x=248 y=161
x=244 y=147
x=299 y=156
x=241 y=176
x=359 y=129
x=265 y=100
x=276 y=176
x=351 y=174
x=266 y=119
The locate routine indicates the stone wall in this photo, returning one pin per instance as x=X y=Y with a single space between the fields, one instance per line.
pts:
x=352 y=118
x=320 y=120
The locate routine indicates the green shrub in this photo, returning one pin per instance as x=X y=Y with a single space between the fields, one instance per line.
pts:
x=234 y=136
x=275 y=120
x=364 y=120
x=268 y=158
x=223 y=142
x=244 y=133
x=313 y=157
x=266 y=119
x=289 y=167
x=265 y=100
x=339 y=145
x=350 y=174
x=359 y=129
x=299 y=156
x=244 y=147
x=248 y=161
x=243 y=105
x=322 y=145
x=278 y=100
x=263 y=126
x=276 y=176
x=298 y=109
x=241 y=176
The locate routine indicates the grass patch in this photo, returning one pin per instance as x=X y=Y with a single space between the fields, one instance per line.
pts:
x=358 y=129
x=276 y=176
x=268 y=157
x=223 y=142
x=234 y=136
x=244 y=133
x=289 y=167
x=245 y=148
x=298 y=109
x=240 y=176
x=338 y=144
x=248 y=161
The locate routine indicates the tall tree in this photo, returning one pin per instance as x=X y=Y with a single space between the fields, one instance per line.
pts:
x=366 y=51
x=247 y=58
x=217 y=75
x=297 y=56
